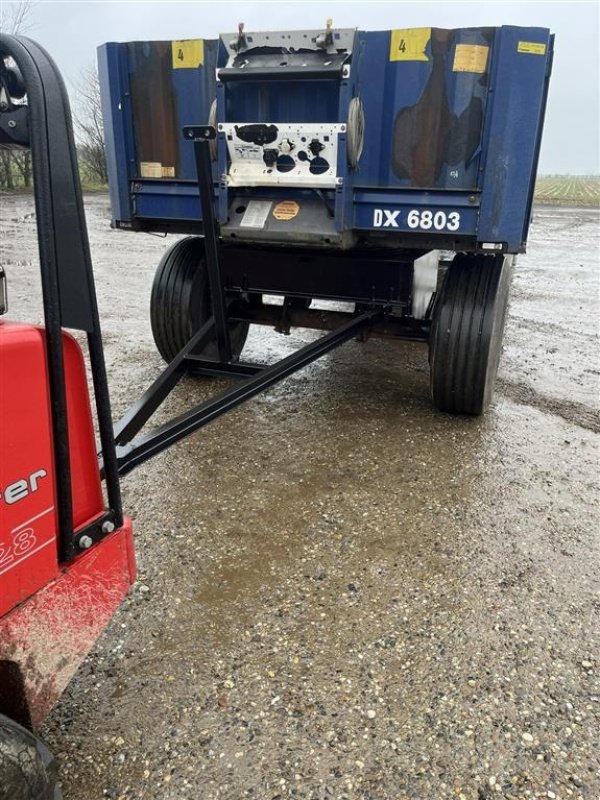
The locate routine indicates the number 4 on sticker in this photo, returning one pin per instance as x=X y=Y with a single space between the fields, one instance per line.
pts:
x=187 y=53
x=409 y=44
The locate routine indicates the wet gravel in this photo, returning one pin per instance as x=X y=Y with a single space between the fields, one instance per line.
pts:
x=343 y=593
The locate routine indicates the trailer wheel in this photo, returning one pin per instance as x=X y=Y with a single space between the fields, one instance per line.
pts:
x=180 y=302
x=28 y=771
x=466 y=334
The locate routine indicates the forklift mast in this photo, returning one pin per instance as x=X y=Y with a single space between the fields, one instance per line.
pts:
x=66 y=552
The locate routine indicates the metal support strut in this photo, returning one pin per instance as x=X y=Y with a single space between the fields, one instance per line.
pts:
x=132 y=454
x=201 y=136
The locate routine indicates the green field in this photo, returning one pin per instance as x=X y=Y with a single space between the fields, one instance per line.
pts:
x=568 y=190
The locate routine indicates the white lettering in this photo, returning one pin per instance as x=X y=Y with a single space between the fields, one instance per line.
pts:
x=425 y=219
x=16 y=491
x=35 y=477
x=390 y=218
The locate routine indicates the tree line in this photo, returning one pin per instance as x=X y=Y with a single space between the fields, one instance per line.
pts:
x=15 y=165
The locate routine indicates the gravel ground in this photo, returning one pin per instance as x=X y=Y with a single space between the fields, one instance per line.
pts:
x=343 y=593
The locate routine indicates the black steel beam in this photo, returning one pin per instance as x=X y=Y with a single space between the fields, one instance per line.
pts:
x=358 y=275
x=135 y=453
x=211 y=236
x=389 y=326
x=239 y=369
x=140 y=412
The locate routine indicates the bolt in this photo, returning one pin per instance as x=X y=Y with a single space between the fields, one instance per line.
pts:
x=108 y=526
x=85 y=542
x=12 y=123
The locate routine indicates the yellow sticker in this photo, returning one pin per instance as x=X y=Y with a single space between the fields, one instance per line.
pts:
x=150 y=169
x=168 y=172
x=187 y=53
x=408 y=44
x=470 y=58
x=537 y=48
x=287 y=209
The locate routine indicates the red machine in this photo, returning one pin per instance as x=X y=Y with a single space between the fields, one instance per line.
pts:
x=52 y=613
x=66 y=553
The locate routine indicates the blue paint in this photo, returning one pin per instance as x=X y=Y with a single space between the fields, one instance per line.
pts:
x=473 y=146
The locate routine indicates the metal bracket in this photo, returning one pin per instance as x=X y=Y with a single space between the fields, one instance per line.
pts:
x=14 y=128
x=97 y=530
x=199 y=132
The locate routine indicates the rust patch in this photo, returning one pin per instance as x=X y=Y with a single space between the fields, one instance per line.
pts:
x=429 y=134
x=153 y=103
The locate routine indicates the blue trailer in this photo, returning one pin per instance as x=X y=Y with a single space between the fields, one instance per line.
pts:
x=341 y=161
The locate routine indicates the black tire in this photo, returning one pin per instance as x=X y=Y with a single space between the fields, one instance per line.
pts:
x=180 y=302
x=28 y=771
x=466 y=334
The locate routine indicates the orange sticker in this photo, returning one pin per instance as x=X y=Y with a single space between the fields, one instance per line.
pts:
x=287 y=209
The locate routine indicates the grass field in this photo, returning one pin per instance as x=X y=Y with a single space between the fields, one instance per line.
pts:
x=552 y=190
x=568 y=190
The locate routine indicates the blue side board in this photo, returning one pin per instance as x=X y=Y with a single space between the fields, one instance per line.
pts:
x=442 y=138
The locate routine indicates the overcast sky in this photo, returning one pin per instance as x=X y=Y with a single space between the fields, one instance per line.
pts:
x=72 y=29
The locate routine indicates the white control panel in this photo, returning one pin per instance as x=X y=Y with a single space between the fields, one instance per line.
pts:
x=282 y=154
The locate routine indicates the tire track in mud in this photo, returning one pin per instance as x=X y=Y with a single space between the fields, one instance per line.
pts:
x=569 y=410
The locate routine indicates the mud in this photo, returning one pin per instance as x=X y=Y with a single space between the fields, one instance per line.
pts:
x=343 y=593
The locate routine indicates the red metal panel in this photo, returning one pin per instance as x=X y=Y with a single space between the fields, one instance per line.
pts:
x=28 y=553
x=50 y=634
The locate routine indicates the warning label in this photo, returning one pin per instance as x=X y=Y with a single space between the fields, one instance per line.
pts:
x=256 y=214
x=286 y=210
x=151 y=169
x=248 y=152
x=537 y=48
x=470 y=58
